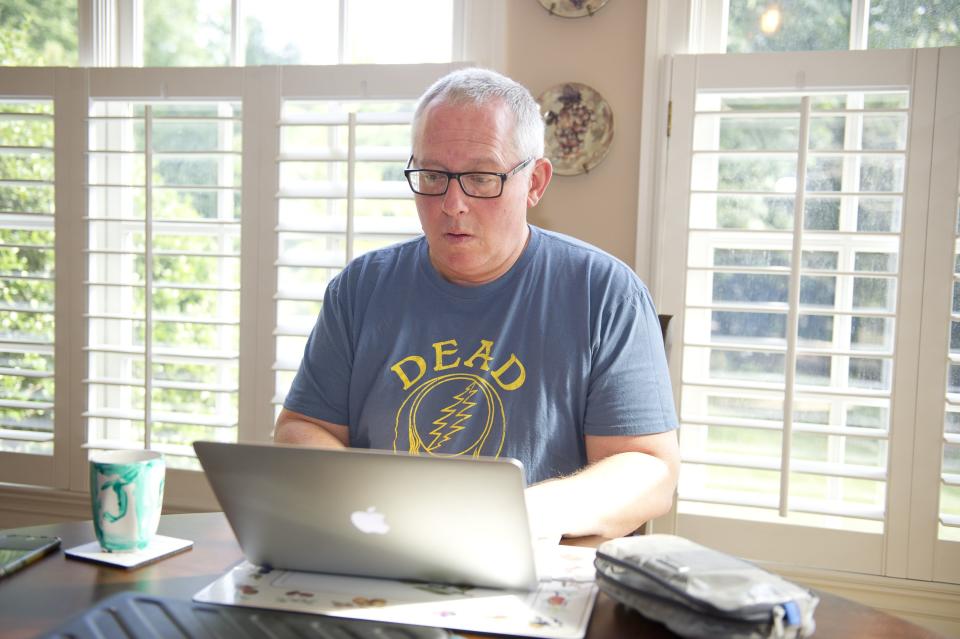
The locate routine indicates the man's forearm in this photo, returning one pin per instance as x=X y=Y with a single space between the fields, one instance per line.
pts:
x=293 y=428
x=611 y=498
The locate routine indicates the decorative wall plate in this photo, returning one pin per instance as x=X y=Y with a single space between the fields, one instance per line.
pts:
x=573 y=8
x=579 y=127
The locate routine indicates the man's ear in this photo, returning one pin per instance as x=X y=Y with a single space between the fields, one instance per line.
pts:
x=540 y=178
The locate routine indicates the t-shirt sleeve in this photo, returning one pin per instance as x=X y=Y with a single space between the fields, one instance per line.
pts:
x=321 y=386
x=629 y=391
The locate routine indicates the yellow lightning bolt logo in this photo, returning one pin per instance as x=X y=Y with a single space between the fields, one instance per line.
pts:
x=446 y=429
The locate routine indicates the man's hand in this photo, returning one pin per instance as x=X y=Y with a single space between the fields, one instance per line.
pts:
x=629 y=480
x=294 y=428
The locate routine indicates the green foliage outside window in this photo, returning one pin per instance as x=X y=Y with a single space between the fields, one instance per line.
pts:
x=895 y=24
x=38 y=33
x=178 y=33
x=806 y=25
x=824 y=25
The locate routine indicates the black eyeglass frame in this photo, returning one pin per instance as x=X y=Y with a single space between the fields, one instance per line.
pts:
x=407 y=172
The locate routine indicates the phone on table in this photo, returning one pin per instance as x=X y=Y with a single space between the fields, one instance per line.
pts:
x=17 y=551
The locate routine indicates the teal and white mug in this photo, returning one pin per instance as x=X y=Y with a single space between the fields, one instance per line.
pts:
x=126 y=496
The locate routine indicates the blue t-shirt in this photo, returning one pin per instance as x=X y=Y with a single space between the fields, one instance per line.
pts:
x=565 y=344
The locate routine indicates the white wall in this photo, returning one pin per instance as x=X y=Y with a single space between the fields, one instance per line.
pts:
x=604 y=51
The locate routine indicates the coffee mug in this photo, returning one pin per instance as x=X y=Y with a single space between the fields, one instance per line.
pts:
x=126 y=496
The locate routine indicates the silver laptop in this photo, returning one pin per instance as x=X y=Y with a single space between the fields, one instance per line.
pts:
x=374 y=513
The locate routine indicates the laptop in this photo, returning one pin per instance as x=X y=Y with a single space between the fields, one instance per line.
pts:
x=375 y=513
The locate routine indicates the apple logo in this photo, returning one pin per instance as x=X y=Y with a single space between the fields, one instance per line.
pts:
x=370 y=521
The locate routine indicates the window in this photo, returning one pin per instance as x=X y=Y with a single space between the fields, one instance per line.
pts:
x=805 y=274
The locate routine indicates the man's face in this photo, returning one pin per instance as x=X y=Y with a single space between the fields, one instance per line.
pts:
x=474 y=240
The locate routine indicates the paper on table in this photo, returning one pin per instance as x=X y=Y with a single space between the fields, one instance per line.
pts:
x=558 y=609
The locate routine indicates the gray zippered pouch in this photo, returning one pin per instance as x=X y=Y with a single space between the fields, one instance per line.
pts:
x=700 y=592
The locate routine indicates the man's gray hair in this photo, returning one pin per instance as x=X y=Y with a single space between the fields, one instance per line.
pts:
x=480 y=87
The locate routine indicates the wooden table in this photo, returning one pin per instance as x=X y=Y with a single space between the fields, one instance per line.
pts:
x=48 y=592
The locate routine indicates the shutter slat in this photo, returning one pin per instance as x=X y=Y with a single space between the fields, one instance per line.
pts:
x=184 y=419
x=305 y=262
x=26 y=404
x=796 y=505
x=364 y=191
x=797 y=466
x=170 y=354
x=776 y=307
x=806 y=392
x=736 y=422
x=163 y=223
x=161 y=253
x=171 y=319
x=26 y=372
x=364 y=154
x=25 y=435
x=951 y=521
x=176 y=385
x=341 y=119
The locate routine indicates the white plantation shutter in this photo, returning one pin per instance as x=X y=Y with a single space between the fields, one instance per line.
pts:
x=950 y=468
x=163 y=275
x=341 y=193
x=936 y=484
x=798 y=186
x=27 y=271
x=789 y=361
x=168 y=319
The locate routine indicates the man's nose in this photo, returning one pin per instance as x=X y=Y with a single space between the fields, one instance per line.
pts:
x=454 y=200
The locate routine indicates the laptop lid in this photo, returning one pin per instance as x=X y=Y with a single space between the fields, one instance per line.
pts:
x=375 y=513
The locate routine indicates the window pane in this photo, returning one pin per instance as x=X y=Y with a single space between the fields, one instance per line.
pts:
x=41 y=33
x=291 y=31
x=789 y=25
x=708 y=210
x=186 y=33
x=386 y=31
x=895 y=24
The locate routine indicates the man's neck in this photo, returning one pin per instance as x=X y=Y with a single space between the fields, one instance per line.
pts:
x=502 y=269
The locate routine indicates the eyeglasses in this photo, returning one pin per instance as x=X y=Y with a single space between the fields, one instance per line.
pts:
x=483 y=184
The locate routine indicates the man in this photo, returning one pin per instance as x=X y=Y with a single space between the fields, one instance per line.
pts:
x=491 y=337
